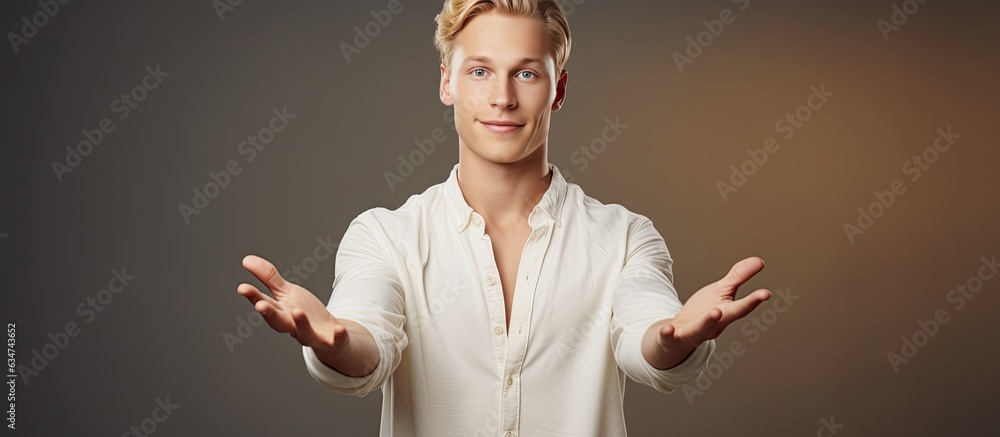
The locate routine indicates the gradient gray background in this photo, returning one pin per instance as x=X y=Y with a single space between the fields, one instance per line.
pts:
x=826 y=356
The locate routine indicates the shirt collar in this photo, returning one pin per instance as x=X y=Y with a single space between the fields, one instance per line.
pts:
x=550 y=205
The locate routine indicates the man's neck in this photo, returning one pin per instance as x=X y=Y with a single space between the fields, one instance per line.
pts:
x=504 y=194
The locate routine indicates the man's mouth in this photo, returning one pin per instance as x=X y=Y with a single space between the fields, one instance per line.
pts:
x=501 y=126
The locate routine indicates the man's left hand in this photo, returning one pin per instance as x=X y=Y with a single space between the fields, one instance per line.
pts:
x=704 y=316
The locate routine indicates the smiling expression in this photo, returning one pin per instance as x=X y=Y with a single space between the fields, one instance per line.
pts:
x=503 y=84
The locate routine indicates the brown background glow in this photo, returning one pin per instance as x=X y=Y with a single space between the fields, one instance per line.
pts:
x=825 y=356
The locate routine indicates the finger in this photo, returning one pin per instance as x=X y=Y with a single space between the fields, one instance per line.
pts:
x=277 y=319
x=315 y=336
x=742 y=272
x=740 y=308
x=266 y=272
x=253 y=294
x=306 y=332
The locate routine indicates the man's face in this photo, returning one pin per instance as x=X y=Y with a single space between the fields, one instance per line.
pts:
x=502 y=72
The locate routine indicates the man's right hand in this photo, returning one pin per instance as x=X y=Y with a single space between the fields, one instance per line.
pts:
x=298 y=312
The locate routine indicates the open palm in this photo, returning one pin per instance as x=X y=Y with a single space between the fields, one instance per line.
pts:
x=293 y=309
x=709 y=310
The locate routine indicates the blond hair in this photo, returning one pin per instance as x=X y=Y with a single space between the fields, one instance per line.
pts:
x=456 y=13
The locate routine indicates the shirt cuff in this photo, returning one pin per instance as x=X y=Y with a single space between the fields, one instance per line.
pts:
x=688 y=370
x=336 y=381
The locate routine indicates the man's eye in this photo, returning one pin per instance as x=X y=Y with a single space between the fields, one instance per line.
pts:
x=528 y=72
x=476 y=70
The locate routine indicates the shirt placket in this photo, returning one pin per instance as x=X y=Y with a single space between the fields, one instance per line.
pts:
x=509 y=350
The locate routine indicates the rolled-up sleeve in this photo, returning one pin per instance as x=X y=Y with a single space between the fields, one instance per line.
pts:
x=367 y=290
x=644 y=295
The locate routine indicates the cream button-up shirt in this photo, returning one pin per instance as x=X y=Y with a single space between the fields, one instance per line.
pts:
x=423 y=280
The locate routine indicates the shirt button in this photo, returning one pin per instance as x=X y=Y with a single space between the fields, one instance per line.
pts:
x=508 y=434
x=489 y=279
x=475 y=220
x=510 y=381
x=498 y=330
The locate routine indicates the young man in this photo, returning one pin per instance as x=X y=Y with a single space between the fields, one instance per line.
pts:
x=503 y=301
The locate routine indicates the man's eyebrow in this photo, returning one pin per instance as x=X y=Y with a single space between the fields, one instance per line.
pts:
x=486 y=60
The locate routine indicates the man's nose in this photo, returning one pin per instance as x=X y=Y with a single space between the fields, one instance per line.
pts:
x=502 y=95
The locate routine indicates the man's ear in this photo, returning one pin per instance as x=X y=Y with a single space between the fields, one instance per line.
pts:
x=560 y=90
x=445 y=91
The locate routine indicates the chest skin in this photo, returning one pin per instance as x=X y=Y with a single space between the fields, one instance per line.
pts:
x=508 y=245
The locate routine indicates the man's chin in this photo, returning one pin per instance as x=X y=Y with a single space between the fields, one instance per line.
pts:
x=503 y=154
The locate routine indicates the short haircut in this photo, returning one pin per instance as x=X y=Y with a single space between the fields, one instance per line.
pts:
x=456 y=13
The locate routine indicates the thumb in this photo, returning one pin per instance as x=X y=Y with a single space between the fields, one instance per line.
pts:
x=742 y=272
x=266 y=272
